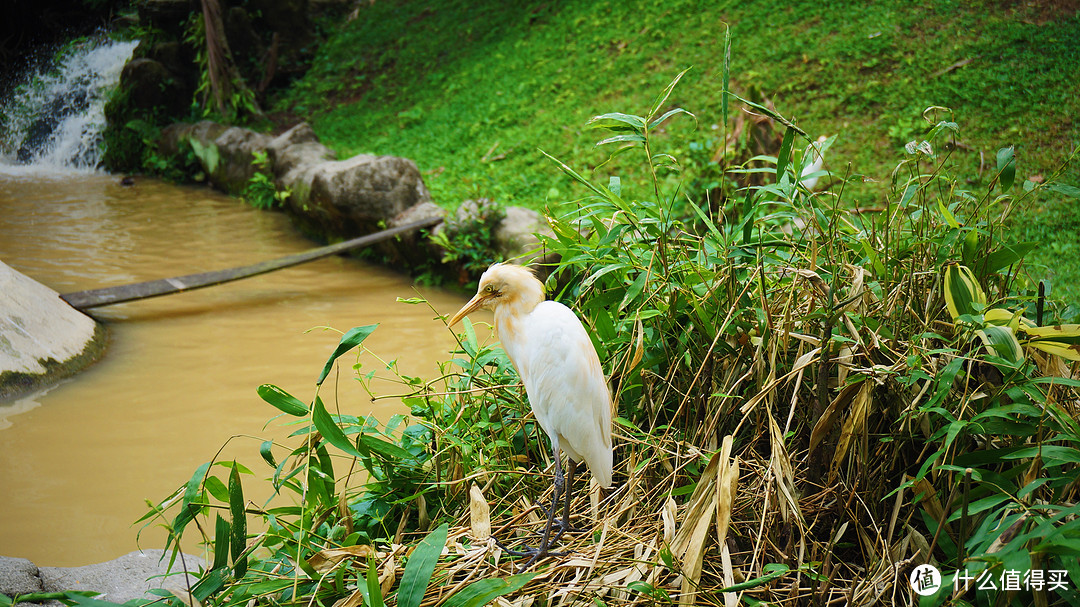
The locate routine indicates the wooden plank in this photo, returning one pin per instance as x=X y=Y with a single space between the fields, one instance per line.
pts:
x=83 y=300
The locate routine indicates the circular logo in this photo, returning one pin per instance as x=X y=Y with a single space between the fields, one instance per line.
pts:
x=925 y=580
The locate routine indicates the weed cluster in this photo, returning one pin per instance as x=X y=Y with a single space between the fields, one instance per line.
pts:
x=841 y=394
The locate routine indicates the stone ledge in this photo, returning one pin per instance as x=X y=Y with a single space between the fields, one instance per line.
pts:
x=42 y=338
x=131 y=576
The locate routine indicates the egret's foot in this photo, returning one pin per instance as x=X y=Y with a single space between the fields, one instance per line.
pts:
x=561 y=527
x=534 y=554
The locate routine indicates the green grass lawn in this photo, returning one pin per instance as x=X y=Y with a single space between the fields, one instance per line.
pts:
x=472 y=90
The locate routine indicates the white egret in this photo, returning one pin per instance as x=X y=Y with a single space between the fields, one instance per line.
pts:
x=564 y=382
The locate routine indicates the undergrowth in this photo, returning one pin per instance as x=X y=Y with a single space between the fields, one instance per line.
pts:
x=812 y=401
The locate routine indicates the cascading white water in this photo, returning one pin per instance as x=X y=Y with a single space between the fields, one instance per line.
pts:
x=55 y=117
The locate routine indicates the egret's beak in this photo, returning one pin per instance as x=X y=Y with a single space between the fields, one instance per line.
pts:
x=474 y=304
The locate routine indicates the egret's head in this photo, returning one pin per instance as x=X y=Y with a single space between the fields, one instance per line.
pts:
x=504 y=285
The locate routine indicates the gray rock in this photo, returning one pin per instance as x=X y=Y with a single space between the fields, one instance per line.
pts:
x=236 y=154
x=19 y=576
x=42 y=338
x=295 y=150
x=358 y=195
x=131 y=576
x=515 y=236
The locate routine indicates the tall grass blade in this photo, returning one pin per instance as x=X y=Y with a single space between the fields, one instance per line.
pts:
x=483 y=592
x=239 y=523
x=783 y=159
x=421 y=565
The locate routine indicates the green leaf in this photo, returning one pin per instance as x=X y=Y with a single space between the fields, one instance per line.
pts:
x=961 y=291
x=385 y=448
x=947 y=214
x=1001 y=341
x=1052 y=455
x=84 y=601
x=374 y=591
x=1007 y=256
x=282 y=400
x=783 y=159
x=354 y=337
x=626 y=137
x=669 y=114
x=266 y=451
x=1006 y=166
x=777 y=570
x=421 y=565
x=482 y=592
x=217 y=488
x=239 y=524
x=221 y=543
x=725 y=76
x=1061 y=188
x=771 y=114
x=663 y=97
x=330 y=430
x=617 y=121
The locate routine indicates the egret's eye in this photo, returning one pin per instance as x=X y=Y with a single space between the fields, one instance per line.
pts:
x=489 y=288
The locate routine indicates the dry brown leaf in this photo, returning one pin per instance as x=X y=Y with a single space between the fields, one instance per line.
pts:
x=854 y=425
x=782 y=472
x=479 y=514
x=184 y=597
x=667 y=514
x=726 y=488
x=388 y=575
x=731 y=599
x=689 y=542
x=356 y=599
x=828 y=417
x=325 y=560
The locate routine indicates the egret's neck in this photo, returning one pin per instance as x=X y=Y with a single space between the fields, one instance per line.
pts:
x=512 y=313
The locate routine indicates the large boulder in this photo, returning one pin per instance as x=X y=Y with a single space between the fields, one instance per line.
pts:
x=236 y=158
x=358 y=195
x=516 y=235
x=131 y=576
x=42 y=338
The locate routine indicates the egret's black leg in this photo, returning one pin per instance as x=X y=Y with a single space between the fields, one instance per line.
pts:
x=541 y=551
x=564 y=525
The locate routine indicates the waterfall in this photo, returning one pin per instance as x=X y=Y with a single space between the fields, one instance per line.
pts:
x=55 y=116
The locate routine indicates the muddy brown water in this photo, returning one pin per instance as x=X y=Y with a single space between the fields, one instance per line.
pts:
x=179 y=377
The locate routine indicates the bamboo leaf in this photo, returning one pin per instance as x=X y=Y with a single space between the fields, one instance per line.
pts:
x=669 y=114
x=1061 y=188
x=374 y=589
x=221 y=543
x=783 y=159
x=329 y=429
x=354 y=337
x=663 y=97
x=385 y=448
x=962 y=291
x=1001 y=341
x=627 y=137
x=617 y=121
x=282 y=400
x=421 y=565
x=771 y=114
x=482 y=592
x=1007 y=256
x=1006 y=166
x=239 y=524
